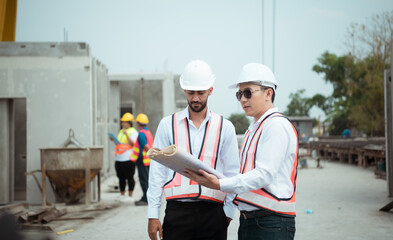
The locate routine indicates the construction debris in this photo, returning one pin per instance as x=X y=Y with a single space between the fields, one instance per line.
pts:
x=37 y=219
x=40 y=215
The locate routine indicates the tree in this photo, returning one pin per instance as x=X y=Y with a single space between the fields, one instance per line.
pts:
x=357 y=77
x=357 y=100
x=240 y=121
x=299 y=105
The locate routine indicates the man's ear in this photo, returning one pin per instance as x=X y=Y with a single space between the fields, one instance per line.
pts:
x=210 y=91
x=269 y=93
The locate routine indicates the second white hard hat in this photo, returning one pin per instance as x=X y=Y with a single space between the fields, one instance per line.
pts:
x=256 y=72
x=197 y=75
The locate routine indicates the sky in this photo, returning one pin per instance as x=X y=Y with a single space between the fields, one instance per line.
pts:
x=149 y=36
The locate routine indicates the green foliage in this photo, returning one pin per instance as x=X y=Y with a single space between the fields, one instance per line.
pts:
x=240 y=121
x=357 y=100
x=299 y=105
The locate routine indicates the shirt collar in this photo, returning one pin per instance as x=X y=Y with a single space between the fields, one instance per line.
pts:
x=254 y=124
x=185 y=114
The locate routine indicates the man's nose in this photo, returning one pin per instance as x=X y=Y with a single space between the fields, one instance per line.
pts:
x=195 y=98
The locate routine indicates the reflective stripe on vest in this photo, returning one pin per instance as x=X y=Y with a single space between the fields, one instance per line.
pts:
x=123 y=148
x=181 y=187
x=136 y=149
x=261 y=198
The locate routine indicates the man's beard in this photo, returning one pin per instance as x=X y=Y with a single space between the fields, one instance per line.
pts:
x=199 y=108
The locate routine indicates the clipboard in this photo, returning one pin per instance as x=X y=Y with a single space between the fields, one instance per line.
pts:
x=114 y=138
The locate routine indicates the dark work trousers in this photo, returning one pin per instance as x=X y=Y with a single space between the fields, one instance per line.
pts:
x=267 y=228
x=125 y=171
x=143 y=173
x=194 y=220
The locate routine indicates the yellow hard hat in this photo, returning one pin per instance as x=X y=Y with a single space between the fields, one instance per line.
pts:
x=127 y=117
x=142 y=118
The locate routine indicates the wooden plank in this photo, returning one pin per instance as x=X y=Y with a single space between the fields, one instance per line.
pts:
x=35 y=227
x=73 y=218
x=51 y=214
x=87 y=177
x=43 y=172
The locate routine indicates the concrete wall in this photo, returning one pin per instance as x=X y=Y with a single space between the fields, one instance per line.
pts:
x=162 y=96
x=64 y=87
x=156 y=91
x=113 y=120
x=303 y=125
x=180 y=97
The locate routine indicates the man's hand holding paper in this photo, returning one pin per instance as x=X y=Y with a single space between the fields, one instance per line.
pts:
x=204 y=178
x=178 y=160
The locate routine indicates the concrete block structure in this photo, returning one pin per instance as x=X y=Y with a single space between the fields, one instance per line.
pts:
x=155 y=94
x=45 y=90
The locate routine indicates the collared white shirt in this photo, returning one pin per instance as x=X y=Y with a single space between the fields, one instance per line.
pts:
x=228 y=163
x=273 y=166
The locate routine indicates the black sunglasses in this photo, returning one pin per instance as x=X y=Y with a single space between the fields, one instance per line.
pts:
x=247 y=93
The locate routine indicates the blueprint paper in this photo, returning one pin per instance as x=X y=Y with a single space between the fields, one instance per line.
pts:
x=178 y=160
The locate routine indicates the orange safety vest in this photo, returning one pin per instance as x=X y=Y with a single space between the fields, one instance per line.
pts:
x=181 y=187
x=261 y=198
x=136 y=149
x=124 y=146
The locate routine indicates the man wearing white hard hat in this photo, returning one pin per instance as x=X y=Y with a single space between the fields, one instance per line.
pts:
x=266 y=187
x=193 y=211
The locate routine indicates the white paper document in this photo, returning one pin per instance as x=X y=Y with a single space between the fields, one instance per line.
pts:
x=178 y=160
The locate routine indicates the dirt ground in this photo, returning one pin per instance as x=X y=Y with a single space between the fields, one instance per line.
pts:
x=343 y=201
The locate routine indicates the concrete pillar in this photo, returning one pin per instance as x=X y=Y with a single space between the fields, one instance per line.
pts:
x=389 y=129
x=6 y=152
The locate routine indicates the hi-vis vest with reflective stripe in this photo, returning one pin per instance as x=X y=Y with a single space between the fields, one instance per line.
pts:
x=123 y=150
x=261 y=198
x=180 y=187
x=136 y=149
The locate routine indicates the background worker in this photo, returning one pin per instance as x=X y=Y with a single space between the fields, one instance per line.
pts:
x=142 y=145
x=266 y=187
x=192 y=211
x=125 y=168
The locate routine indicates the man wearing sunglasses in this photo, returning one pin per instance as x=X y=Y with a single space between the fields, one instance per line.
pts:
x=193 y=211
x=266 y=187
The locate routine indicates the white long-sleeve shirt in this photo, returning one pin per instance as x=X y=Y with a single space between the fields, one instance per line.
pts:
x=273 y=165
x=228 y=160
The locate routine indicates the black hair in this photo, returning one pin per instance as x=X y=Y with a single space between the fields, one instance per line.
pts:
x=274 y=93
x=142 y=125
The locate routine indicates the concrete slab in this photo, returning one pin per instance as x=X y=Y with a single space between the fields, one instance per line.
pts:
x=344 y=200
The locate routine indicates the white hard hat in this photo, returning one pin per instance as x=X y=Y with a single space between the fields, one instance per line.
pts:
x=256 y=72
x=197 y=76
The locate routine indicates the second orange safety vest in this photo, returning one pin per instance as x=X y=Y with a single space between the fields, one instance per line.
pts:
x=261 y=198
x=136 y=149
